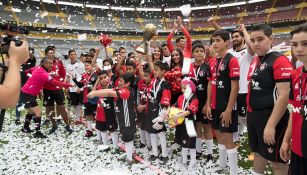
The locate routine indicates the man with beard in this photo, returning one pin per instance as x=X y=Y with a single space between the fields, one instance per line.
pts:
x=241 y=50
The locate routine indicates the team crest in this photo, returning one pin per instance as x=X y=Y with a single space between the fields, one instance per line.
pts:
x=270 y=150
x=263 y=66
x=222 y=68
x=201 y=73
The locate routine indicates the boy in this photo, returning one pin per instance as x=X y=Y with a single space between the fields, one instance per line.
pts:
x=223 y=89
x=126 y=111
x=199 y=70
x=267 y=99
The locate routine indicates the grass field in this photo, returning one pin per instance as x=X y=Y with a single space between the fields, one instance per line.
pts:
x=61 y=153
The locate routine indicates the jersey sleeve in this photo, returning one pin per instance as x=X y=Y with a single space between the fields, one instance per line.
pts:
x=166 y=96
x=282 y=69
x=123 y=93
x=193 y=107
x=211 y=70
x=234 y=69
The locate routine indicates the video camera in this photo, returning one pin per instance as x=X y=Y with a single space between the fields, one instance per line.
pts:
x=11 y=31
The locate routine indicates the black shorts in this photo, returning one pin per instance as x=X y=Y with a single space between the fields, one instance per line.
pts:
x=29 y=101
x=90 y=109
x=217 y=124
x=185 y=140
x=256 y=122
x=106 y=126
x=298 y=165
x=51 y=96
x=127 y=133
x=200 y=117
x=76 y=98
x=142 y=119
x=241 y=104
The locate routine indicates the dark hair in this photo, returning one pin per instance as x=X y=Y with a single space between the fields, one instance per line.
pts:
x=121 y=48
x=71 y=50
x=130 y=53
x=128 y=78
x=179 y=38
x=161 y=52
x=222 y=33
x=163 y=45
x=299 y=29
x=93 y=50
x=147 y=70
x=108 y=60
x=181 y=58
x=115 y=51
x=195 y=46
x=265 y=28
x=44 y=60
x=237 y=31
x=196 y=42
x=161 y=65
x=102 y=72
x=85 y=54
x=88 y=61
x=131 y=63
x=48 y=49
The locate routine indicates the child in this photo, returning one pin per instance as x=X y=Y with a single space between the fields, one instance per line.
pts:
x=222 y=93
x=142 y=96
x=31 y=89
x=105 y=113
x=126 y=111
x=159 y=97
x=87 y=82
x=199 y=70
x=188 y=102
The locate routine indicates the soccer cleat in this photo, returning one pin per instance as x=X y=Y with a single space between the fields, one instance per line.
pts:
x=163 y=160
x=59 y=122
x=26 y=130
x=53 y=129
x=89 y=133
x=198 y=155
x=142 y=145
x=153 y=158
x=39 y=134
x=17 y=122
x=46 y=122
x=68 y=129
x=209 y=157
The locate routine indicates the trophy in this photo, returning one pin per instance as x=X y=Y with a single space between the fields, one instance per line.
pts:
x=149 y=32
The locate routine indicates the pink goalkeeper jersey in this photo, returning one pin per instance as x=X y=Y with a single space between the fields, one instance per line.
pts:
x=37 y=81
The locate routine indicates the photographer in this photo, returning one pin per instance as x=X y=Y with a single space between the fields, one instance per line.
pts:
x=10 y=88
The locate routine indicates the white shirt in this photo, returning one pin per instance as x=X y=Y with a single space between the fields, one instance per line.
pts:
x=167 y=60
x=245 y=59
x=74 y=70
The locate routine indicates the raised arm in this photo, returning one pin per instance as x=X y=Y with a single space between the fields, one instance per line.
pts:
x=170 y=36
x=247 y=39
x=213 y=23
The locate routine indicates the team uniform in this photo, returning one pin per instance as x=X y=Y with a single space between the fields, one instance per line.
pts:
x=264 y=73
x=190 y=104
x=55 y=94
x=159 y=97
x=297 y=97
x=222 y=71
x=125 y=109
x=200 y=73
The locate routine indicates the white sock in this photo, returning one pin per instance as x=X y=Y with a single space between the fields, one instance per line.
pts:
x=98 y=135
x=222 y=156
x=78 y=112
x=148 y=139
x=235 y=137
x=89 y=125
x=233 y=160
x=114 y=136
x=209 y=144
x=104 y=137
x=154 y=144
x=184 y=152
x=162 y=138
x=142 y=136
x=198 y=145
x=254 y=173
x=241 y=122
x=193 y=156
x=129 y=149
